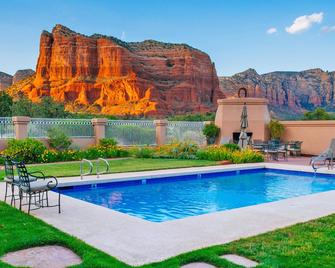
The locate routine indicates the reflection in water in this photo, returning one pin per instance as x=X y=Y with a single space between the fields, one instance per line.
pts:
x=162 y=200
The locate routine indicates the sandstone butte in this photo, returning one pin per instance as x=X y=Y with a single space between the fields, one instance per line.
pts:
x=101 y=74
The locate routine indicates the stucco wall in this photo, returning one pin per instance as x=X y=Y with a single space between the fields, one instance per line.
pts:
x=315 y=135
x=228 y=117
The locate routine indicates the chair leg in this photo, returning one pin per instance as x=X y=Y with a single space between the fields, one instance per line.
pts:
x=47 y=197
x=12 y=200
x=58 y=202
x=20 y=196
x=6 y=191
x=29 y=204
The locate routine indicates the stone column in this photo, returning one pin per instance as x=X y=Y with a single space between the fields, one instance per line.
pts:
x=99 y=125
x=161 y=130
x=21 y=126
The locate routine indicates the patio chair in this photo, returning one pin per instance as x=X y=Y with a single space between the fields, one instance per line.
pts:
x=257 y=145
x=325 y=158
x=37 y=188
x=10 y=180
x=295 y=148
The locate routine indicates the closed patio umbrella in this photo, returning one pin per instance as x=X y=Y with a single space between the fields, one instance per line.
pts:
x=243 y=141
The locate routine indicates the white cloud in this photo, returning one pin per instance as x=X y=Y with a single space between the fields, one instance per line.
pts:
x=123 y=36
x=303 y=23
x=271 y=30
x=328 y=29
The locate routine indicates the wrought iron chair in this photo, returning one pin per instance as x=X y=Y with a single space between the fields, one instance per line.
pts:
x=10 y=179
x=295 y=148
x=37 y=189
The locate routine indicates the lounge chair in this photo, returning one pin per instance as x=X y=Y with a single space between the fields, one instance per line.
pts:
x=35 y=185
x=325 y=158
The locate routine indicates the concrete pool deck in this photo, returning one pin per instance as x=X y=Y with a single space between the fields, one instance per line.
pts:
x=136 y=241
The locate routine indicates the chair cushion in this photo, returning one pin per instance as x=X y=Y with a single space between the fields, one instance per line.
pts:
x=39 y=185
x=9 y=180
x=17 y=180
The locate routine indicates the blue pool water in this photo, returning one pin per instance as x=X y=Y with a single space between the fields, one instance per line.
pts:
x=171 y=198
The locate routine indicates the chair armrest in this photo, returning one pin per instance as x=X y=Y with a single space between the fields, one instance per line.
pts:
x=52 y=182
x=41 y=175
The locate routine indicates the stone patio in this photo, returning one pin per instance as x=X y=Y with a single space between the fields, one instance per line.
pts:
x=42 y=257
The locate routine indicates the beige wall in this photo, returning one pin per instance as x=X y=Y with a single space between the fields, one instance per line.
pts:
x=228 y=116
x=315 y=135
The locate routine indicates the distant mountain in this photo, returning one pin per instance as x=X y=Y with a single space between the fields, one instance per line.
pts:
x=6 y=80
x=289 y=93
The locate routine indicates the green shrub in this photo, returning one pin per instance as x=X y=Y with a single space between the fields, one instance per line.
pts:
x=143 y=152
x=58 y=140
x=220 y=153
x=27 y=150
x=107 y=142
x=232 y=147
x=180 y=150
x=246 y=156
x=211 y=131
x=276 y=129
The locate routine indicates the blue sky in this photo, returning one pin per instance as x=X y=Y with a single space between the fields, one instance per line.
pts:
x=237 y=34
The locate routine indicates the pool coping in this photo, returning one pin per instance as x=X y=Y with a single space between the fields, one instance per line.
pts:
x=137 y=241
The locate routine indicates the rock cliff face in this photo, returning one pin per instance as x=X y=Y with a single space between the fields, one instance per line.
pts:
x=6 y=80
x=102 y=74
x=287 y=92
x=22 y=74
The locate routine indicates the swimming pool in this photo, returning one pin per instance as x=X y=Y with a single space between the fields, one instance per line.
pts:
x=170 y=198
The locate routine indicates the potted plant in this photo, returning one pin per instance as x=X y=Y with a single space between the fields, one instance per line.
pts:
x=211 y=131
x=276 y=129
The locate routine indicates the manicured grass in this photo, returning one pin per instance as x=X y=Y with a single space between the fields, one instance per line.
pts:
x=119 y=165
x=310 y=244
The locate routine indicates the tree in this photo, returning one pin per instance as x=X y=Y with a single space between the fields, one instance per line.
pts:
x=48 y=108
x=6 y=103
x=317 y=114
x=22 y=107
x=276 y=129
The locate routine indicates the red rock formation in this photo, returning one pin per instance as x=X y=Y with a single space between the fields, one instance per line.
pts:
x=103 y=74
x=289 y=93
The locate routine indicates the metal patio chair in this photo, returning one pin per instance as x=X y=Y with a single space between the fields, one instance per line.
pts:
x=294 y=148
x=37 y=188
x=10 y=179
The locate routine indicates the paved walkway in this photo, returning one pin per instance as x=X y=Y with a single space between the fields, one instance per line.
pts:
x=136 y=241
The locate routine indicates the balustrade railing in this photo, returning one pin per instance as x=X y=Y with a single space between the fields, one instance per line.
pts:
x=132 y=132
x=6 y=128
x=185 y=131
x=79 y=128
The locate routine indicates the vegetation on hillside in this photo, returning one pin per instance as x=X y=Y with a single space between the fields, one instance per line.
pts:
x=318 y=114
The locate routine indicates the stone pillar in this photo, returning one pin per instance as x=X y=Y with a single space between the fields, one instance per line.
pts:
x=228 y=117
x=161 y=131
x=21 y=126
x=99 y=125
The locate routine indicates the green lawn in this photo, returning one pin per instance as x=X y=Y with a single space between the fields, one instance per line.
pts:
x=119 y=165
x=310 y=244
